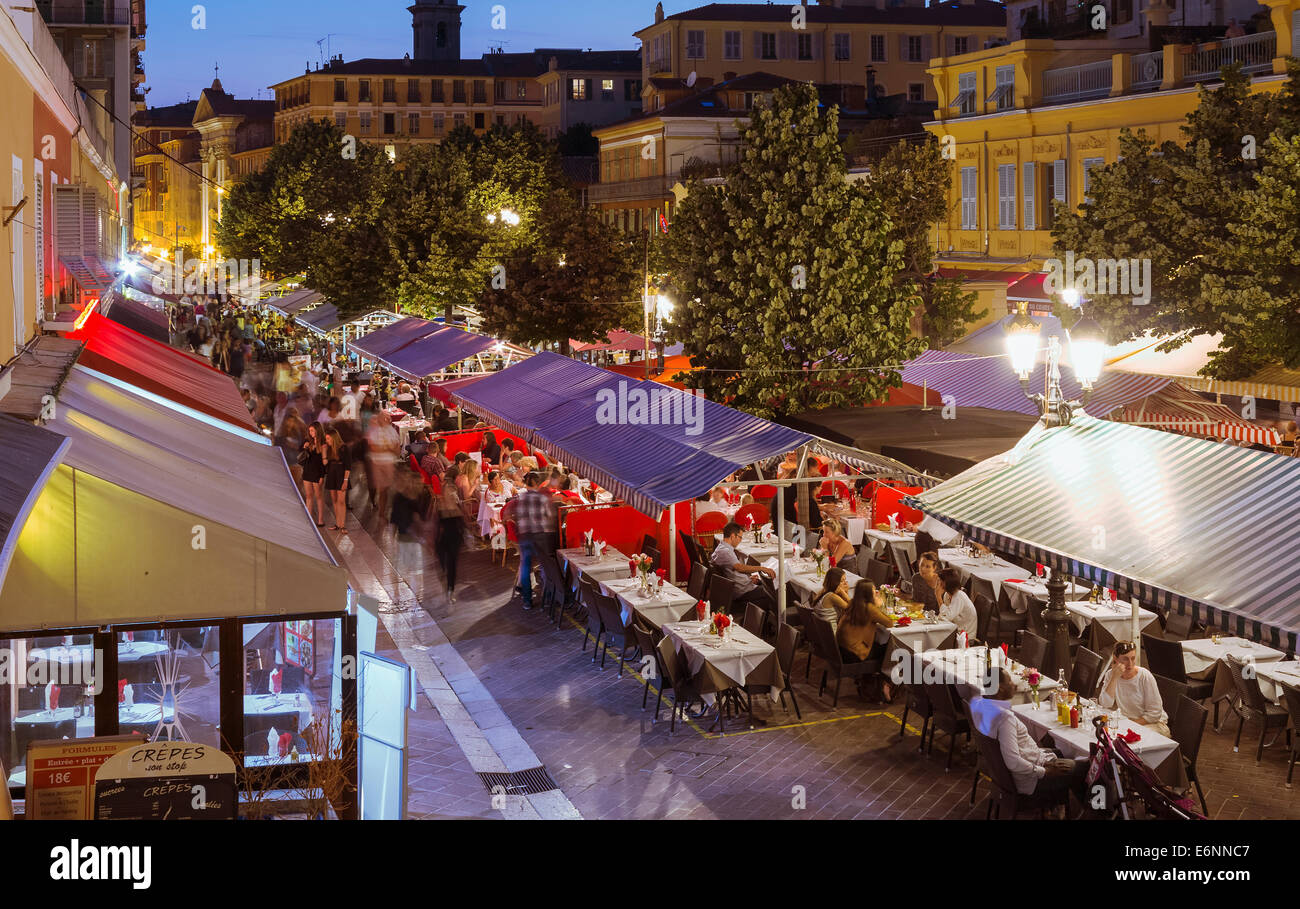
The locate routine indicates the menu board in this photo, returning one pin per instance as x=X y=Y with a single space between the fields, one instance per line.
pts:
x=300 y=645
x=167 y=781
x=61 y=775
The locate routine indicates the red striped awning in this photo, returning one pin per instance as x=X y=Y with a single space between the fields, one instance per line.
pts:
x=1177 y=409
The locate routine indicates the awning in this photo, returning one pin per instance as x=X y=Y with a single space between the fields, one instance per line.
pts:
x=1177 y=409
x=322 y=320
x=1174 y=521
x=618 y=339
x=117 y=351
x=30 y=455
x=599 y=423
x=139 y=317
x=89 y=271
x=444 y=391
x=415 y=348
x=292 y=302
x=1030 y=288
x=1275 y=383
x=155 y=515
x=989 y=381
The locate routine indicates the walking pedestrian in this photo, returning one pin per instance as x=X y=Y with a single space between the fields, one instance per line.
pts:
x=451 y=531
x=338 y=474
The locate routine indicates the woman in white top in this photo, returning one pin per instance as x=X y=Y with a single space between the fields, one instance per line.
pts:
x=957 y=606
x=1133 y=689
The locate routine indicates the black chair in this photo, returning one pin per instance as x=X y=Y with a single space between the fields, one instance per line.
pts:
x=646 y=644
x=611 y=617
x=1032 y=651
x=555 y=590
x=697 y=585
x=1180 y=627
x=649 y=542
x=1166 y=658
x=1291 y=698
x=1009 y=621
x=878 y=572
x=755 y=618
x=678 y=679
x=595 y=625
x=984 y=626
x=1250 y=704
x=836 y=667
x=1171 y=695
x=787 y=642
x=692 y=548
x=1086 y=672
x=1004 y=784
x=849 y=563
x=918 y=702
x=900 y=561
x=655 y=559
x=945 y=717
x=721 y=593
x=1186 y=727
x=815 y=647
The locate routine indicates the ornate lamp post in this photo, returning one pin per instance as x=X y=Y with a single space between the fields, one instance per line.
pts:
x=1087 y=346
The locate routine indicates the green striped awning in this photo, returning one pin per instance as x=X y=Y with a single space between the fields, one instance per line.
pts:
x=1177 y=522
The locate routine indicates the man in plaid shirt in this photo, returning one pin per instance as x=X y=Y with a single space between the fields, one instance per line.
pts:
x=533 y=513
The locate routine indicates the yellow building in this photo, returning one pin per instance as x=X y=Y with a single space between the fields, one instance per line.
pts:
x=1027 y=121
x=826 y=44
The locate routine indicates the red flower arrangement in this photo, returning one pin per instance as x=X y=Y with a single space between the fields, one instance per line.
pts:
x=721 y=622
x=701 y=609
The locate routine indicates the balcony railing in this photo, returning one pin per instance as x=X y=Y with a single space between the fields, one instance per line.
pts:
x=1148 y=70
x=626 y=190
x=1254 y=52
x=85 y=12
x=1077 y=83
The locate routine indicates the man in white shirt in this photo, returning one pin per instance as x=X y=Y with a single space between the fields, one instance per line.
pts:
x=1037 y=771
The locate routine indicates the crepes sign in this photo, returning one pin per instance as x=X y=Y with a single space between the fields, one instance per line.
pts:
x=167 y=781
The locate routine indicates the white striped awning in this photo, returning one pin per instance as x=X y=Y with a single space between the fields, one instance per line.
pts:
x=1177 y=522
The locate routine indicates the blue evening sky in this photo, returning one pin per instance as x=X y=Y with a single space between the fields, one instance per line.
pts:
x=261 y=42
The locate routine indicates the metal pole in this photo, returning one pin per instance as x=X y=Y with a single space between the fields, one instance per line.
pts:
x=645 y=304
x=779 y=523
x=1135 y=634
x=672 y=543
x=1056 y=618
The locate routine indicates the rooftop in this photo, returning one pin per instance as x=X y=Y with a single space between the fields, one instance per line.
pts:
x=975 y=13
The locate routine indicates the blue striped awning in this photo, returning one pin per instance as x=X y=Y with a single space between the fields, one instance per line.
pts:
x=415 y=348
x=989 y=381
x=1177 y=522
x=600 y=424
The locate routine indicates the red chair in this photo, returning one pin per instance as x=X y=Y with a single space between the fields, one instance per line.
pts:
x=833 y=488
x=758 y=512
x=706 y=525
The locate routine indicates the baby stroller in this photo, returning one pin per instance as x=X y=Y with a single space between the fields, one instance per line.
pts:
x=1134 y=783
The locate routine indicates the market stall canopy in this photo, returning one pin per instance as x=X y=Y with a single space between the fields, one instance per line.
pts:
x=921 y=438
x=1185 y=364
x=1174 y=521
x=322 y=320
x=117 y=351
x=30 y=455
x=618 y=339
x=989 y=381
x=294 y=301
x=649 y=444
x=415 y=348
x=154 y=514
x=139 y=317
x=1176 y=409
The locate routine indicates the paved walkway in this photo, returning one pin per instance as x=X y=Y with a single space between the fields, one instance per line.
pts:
x=507 y=689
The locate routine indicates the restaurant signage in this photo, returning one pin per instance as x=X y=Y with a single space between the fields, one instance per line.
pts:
x=167 y=781
x=61 y=775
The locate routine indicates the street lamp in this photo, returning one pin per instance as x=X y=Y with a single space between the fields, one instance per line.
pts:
x=1022 y=343
x=507 y=216
x=1087 y=350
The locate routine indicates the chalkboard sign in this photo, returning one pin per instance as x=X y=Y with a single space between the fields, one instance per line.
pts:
x=167 y=781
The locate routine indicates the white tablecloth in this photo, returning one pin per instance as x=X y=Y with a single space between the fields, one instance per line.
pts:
x=1022 y=593
x=612 y=564
x=127 y=652
x=759 y=551
x=1272 y=676
x=671 y=605
x=880 y=540
x=735 y=658
x=802 y=575
x=1115 y=619
x=968 y=670
x=1073 y=743
x=489 y=509
x=920 y=637
x=1201 y=655
x=994 y=570
x=269 y=705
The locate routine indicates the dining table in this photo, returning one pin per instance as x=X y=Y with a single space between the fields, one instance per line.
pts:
x=1273 y=677
x=293 y=704
x=127 y=652
x=1203 y=659
x=1159 y=752
x=968 y=670
x=610 y=564
x=902 y=541
x=1110 y=621
x=766 y=546
x=667 y=603
x=989 y=569
x=725 y=665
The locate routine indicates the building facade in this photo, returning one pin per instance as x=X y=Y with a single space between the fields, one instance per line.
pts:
x=825 y=44
x=167 y=202
x=1026 y=123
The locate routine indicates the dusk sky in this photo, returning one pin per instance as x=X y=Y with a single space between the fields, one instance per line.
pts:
x=261 y=42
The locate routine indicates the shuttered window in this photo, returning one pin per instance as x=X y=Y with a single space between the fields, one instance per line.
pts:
x=1030 y=215
x=969 y=220
x=1006 y=197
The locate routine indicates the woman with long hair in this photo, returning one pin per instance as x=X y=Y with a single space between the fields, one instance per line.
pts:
x=451 y=530
x=312 y=458
x=338 y=473
x=467 y=485
x=834 y=597
x=861 y=629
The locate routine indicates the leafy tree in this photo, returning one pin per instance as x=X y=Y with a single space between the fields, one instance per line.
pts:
x=790 y=282
x=912 y=181
x=596 y=288
x=1216 y=223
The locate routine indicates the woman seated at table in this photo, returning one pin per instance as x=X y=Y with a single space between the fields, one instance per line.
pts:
x=957 y=605
x=1133 y=689
x=507 y=450
x=927 y=588
x=495 y=494
x=861 y=633
x=833 y=598
x=833 y=541
x=491 y=450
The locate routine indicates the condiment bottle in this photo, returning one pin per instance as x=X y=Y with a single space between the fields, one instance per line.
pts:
x=1074 y=717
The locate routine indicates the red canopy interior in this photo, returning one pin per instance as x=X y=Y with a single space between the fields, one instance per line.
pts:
x=129 y=356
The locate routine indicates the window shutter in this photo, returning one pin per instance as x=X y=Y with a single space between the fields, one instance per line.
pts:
x=1058 y=181
x=1030 y=220
x=758 y=45
x=927 y=48
x=588 y=94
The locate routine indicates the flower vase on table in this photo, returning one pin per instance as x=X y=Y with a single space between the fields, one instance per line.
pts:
x=720 y=625
x=819 y=556
x=1032 y=678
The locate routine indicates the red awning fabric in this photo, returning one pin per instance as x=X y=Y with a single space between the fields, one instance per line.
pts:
x=909 y=395
x=1030 y=288
x=443 y=390
x=117 y=351
x=618 y=339
x=672 y=366
x=1177 y=409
